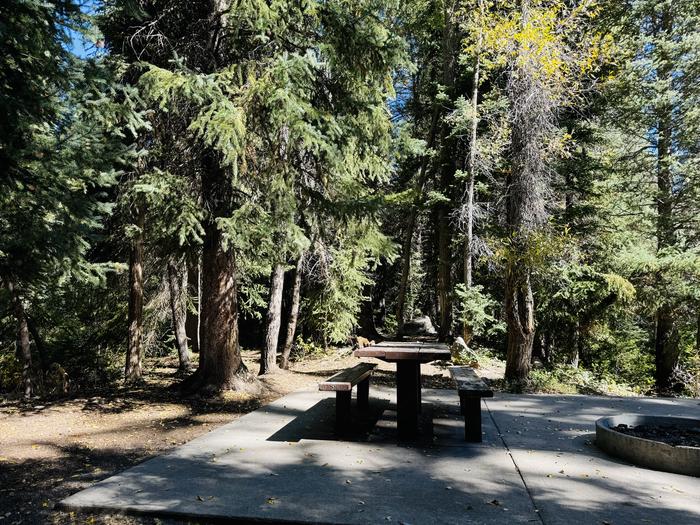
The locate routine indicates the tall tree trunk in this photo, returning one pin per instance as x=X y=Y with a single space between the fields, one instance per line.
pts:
x=220 y=364
x=133 y=371
x=38 y=344
x=25 y=350
x=448 y=41
x=192 y=313
x=667 y=350
x=268 y=358
x=697 y=332
x=406 y=264
x=520 y=320
x=467 y=331
x=407 y=244
x=177 y=311
x=533 y=121
x=293 y=313
x=469 y=241
x=444 y=281
x=447 y=171
x=366 y=325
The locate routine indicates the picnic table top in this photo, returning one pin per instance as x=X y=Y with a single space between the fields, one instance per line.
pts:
x=406 y=350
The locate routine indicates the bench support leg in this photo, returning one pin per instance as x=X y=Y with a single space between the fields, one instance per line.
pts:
x=471 y=410
x=342 y=410
x=363 y=394
x=407 y=398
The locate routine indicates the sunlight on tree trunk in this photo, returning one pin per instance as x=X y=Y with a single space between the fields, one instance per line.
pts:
x=268 y=358
x=133 y=370
x=293 y=312
x=467 y=331
x=24 y=344
x=192 y=298
x=177 y=310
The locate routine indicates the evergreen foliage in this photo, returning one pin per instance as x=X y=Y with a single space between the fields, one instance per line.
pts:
x=525 y=173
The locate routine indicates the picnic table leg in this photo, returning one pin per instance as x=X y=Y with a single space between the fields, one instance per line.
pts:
x=407 y=397
x=342 y=410
x=363 y=394
x=419 y=399
x=471 y=410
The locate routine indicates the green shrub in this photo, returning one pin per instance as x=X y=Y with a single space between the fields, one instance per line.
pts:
x=10 y=371
x=303 y=350
x=475 y=308
x=564 y=379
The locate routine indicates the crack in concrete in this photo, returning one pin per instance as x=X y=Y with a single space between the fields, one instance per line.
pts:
x=515 y=464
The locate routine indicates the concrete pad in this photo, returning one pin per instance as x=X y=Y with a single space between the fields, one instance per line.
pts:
x=282 y=463
x=552 y=438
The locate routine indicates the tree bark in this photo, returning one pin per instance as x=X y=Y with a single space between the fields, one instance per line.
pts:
x=133 y=371
x=25 y=350
x=447 y=171
x=192 y=315
x=38 y=344
x=293 y=313
x=268 y=358
x=438 y=110
x=366 y=325
x=177 y=311
x=667 y=351
x=532 y=122
x=697 y=333
x=406 y=263
x=220 y=364
x=520 y=319
x=444 y=281
x=467 y=331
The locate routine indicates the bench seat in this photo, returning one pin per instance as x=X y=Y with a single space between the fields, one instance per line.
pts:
x=471 y=389
x=342 y=384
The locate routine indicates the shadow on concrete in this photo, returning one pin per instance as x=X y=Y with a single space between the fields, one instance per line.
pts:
x=277 y=465
x=552 y=441
x=318 y=422
x=395 y=484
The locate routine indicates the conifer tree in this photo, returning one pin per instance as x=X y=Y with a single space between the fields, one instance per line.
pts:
x=60 y=148
x=544 y=69
x=654 y=129
x=303 y=114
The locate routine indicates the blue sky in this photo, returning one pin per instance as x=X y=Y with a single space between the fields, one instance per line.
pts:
x=78 y=44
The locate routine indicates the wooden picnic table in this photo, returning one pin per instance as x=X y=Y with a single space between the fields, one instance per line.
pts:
x=408 y=356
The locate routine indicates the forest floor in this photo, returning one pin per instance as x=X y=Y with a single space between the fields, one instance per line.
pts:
x=51 y=449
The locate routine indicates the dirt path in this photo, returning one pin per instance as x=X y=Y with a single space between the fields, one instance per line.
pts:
x=51 y=450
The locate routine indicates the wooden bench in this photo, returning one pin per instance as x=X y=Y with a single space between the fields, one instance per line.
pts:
x=342 y=383
x=471 y=389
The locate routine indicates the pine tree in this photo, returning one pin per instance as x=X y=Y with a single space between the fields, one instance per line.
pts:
x=545 y=48
x=655 y=95
x=303 y=116
x=60 y=148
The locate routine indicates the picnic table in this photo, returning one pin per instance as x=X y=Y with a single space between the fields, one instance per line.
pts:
x=408 y=356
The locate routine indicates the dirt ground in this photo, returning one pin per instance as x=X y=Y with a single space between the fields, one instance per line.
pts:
x=49 y=450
